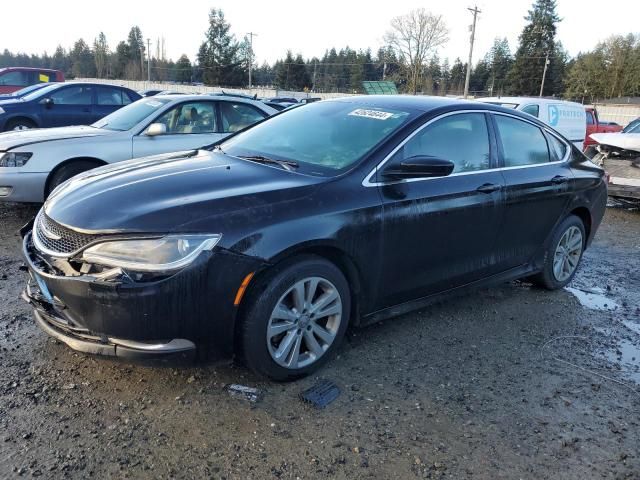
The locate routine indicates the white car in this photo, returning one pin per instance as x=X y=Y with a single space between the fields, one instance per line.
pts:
x=34 y=162
x=568 y=118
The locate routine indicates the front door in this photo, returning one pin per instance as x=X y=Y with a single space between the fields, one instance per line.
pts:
x=189 y=125
x=440 y=233
x=71 y=106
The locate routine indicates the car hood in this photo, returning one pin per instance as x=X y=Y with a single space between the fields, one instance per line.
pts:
x=9 y=140
x=174 y=192
x=626 y=141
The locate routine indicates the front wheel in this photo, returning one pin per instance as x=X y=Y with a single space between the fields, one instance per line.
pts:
x=563 y=255
x=19 y=124
x=295 y=318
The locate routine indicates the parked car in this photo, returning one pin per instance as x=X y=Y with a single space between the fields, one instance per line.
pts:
x=24 y=91
x=619 y=155
x=63 y=104
x=276 y=105
x=595 y=125
x=272 y=242
x=568 y=118
x=152 y=92
x=282 y=99
x=37 y=161
x=15 y=78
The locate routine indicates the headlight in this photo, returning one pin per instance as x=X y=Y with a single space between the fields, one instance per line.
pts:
x=151 y=255
x=15 y=159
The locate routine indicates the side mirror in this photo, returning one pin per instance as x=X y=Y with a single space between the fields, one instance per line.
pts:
x=420 y=166
x=156 y=129
x=48 y=102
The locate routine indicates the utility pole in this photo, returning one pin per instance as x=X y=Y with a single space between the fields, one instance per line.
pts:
x=544 y=73
x=315 y=67
x=251 y=35
x=148 y=60
x=384 y=71
x=475 y=12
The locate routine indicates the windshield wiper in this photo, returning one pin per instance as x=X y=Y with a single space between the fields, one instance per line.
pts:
x=286 y=164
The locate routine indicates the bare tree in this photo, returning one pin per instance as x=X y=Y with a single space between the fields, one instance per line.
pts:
x=415 y=36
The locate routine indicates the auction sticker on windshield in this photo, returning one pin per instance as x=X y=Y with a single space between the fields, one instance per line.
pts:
x=154 y=103
x=376 y=114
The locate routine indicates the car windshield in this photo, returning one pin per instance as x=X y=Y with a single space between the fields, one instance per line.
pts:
x=31 y=88
x=324 y=137
x=41 y=92
x=128 y=117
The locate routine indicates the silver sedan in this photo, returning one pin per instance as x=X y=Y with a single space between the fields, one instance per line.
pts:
x=34 y=162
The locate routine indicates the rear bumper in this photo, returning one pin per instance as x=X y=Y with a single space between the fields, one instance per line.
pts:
x=22 y=186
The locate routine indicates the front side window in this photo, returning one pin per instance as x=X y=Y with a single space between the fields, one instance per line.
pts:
x=236 y=116
x=15 y=78
x=324 y=138
x=191 y=117
x=462 y=138
x=590 y=118
x=80 y=95
x=522 y=143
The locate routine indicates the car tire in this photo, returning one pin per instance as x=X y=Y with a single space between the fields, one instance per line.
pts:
x=562 y=257
x=312 y=337
x=19 y=124
x=67 y=171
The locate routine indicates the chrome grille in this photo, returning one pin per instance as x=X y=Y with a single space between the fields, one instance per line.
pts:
x=59 y=239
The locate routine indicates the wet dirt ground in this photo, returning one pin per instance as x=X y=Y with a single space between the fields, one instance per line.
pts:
x=512 y=382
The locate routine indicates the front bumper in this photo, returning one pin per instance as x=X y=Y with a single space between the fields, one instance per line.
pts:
x=122 y=317
x=22 y=186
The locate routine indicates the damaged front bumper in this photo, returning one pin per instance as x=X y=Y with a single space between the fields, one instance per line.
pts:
x=127 y=318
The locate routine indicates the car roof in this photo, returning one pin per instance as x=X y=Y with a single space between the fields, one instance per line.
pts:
x=31 y=69
x=519 y=100
x=416 y=102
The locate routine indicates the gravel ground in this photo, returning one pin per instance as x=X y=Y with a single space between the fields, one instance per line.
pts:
x=512 y=382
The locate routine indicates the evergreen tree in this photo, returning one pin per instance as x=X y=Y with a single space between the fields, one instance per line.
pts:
x=101 y=54
x=218 y=54
x=83 y=61
x=183 y=70
x=536 y=41
x=457 y=78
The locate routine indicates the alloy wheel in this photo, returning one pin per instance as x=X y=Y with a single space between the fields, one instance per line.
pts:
x=567 y=254
x=304 y=323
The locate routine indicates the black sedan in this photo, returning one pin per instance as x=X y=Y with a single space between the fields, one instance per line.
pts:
x=271 y=243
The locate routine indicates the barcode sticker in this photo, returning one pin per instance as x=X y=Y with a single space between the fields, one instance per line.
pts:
x=375 y=114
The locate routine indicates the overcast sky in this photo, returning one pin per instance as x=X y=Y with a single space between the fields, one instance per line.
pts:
x=295 y=25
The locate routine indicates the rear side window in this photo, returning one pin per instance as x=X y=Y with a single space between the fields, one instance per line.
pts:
x=236 y=116
x=462 y=138
x=532 y=110
x=522 y=143
x=557 y=147
x=111 y=96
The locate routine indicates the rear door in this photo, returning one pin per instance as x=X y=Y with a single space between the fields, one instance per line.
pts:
x=72 y=105
x=440 y=233
x=189 y=125
x=537 y=177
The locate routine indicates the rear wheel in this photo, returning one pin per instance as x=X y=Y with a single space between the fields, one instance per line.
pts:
x=67 y=171
x=19 y=124
x=563 y=255
x=295 y=318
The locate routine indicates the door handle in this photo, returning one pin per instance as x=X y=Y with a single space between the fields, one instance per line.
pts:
x=558 y=179
x=489 y=188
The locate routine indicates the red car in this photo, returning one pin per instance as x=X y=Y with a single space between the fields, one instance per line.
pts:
x=15 y=78
x=594 y=125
